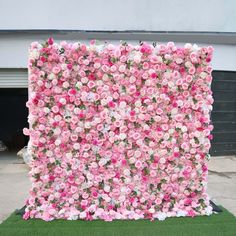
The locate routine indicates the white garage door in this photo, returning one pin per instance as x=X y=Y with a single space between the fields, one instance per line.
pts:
x=13 y=78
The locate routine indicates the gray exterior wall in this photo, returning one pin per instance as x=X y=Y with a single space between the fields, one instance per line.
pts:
x=151 y=15
x=210 y=22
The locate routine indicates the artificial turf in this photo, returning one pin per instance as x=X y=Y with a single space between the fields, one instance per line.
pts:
x=222 y=224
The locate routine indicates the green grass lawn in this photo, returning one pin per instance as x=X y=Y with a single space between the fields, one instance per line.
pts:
x=222 y=224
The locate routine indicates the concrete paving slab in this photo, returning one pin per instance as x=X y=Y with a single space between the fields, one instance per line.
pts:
x=223 y=164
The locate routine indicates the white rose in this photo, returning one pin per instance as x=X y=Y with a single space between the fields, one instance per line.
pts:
x=161 y=216
x=102 y=162
x=46 y=109
x=132 y=79
x=181 y=213
x=195 y=47
x=99 y=82
x=82 y=215
x=137 y=58
x=126 y=172
x=107 y=188
x=166 y=136
x=109 y=99
x=64 y=66
x=72 y=217
x=65 y=84
x=97 y=65
x=159 y=58
x=69 y=155
x=34 y=54
x=188 y=64
x=62 y=101
x=49 y=153
x=51 y=76
x=84 y=80
x=178 y=60
x=151 y=210
x=127 y=180
x=203 y=75
x=171 y=131
x=180 y=103
x=105 y=77
x=171 y=84
x=122 y=104
x=122 y=198
x=104 y=102
x=87 y=125
x=184 y=129
x=57 y=142
x=76 y=146
x=123 y=189
x=138 y=103
x=122 y=136
x=174 y=111
x=162 y=160
x=132 y=160
x=78 y=85
x=208 y=210
x=148 y=82
x=188 y=46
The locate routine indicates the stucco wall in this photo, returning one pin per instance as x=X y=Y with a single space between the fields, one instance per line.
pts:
x=158 y=15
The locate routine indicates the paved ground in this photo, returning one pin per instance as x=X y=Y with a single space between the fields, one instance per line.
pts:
x=222 y=181
x=14 y=183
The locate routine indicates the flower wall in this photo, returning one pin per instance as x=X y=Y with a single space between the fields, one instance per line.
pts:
x=118 y=131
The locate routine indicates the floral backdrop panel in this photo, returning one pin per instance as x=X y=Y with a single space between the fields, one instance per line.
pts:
x=118 y=131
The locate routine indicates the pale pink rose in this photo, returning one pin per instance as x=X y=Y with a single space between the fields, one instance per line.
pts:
x=55 y=109
x=191 y=70
x=132 y=89
x=136 y=136
x=138 y=164
x=56 y=69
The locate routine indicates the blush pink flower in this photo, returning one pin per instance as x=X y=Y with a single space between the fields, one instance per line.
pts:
x=138 y=164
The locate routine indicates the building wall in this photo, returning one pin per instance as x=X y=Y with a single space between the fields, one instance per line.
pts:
x=151 y=15
x=202 y=22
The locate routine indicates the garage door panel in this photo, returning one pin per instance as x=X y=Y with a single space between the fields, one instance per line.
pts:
x=224 y=113
x=223 y=137
x=228 y=85
x=224 y=95
x=225 y=146
x=224 y=126
x=224 y=75
x=229 y=116
x=222 y=152
x=224 y=106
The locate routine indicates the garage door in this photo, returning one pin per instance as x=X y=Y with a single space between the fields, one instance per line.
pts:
x=224 y=113
x=13 y=78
